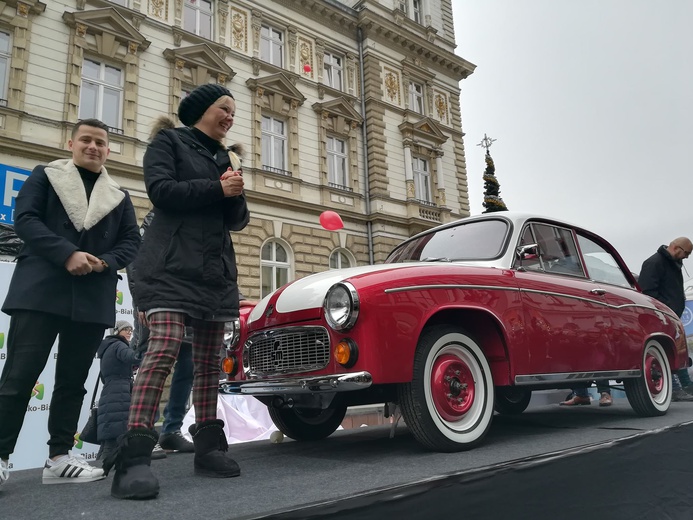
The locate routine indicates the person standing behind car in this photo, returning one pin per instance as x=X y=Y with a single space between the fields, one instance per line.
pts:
x=186 y=272
x=117 y=363
x=78 y=228
x=661 y=278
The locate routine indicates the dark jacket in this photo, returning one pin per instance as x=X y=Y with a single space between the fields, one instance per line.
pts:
x=661 y=278
x=117 y=360
x=54 y=219
x=187 y=260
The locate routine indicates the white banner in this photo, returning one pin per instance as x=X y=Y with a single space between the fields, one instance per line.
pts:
x=34 y=435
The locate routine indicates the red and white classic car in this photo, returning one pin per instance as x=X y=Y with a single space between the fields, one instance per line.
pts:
x=461 y=320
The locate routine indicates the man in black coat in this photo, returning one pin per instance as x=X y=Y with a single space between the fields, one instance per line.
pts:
x=661 y=278
x=78 y=229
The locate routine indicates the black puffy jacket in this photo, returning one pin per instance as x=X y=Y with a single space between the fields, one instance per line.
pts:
x=117 y=361
x=186 y=261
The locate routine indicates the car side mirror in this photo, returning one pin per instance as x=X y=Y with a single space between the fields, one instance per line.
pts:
x=526 y=252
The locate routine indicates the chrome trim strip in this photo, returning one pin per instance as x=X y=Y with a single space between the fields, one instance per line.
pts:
x=450 y=286
x=572 y=377
x=533 y=291
x=305 y=385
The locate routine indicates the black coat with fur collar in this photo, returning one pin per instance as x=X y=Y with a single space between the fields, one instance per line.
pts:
x=54 y=219
x=187 y=261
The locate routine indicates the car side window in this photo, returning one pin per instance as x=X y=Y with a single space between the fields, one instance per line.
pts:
x=601 y=265
x=557 y=250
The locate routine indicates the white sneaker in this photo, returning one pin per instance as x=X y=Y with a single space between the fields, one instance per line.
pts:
x=70 y=469
x=4 y=471
x=158 y=452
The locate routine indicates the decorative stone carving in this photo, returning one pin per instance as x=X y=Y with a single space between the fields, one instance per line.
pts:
x=221 y=79
x=441 y=105
x=179 y=64
x=239 y=30
x=81 y=30
x=159 y=9
x=23 y=10
x=392 y=87
x=132 y=47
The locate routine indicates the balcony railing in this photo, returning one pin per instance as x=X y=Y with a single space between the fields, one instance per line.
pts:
x=279 y=171
x=340 y=187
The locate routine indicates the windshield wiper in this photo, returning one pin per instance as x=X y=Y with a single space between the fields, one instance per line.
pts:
x=435 y=259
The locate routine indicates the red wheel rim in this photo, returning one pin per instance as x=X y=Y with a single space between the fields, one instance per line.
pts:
x=452 y=387
x=654 y=374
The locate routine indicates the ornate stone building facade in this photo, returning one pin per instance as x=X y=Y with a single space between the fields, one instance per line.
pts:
x=350 y=106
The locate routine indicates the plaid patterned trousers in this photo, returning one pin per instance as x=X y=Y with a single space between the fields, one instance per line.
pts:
x=166 y=333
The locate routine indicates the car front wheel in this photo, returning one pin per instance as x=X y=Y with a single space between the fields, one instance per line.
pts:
x=448 y=406
x=650 y=394
x=308 y=424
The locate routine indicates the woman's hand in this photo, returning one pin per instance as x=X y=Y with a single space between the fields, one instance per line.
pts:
x=232 y=184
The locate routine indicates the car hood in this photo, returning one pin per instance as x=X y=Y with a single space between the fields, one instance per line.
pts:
x=309 y=292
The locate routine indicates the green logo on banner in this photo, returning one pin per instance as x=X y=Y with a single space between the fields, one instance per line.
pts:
x=38 y=391
x=119 y=297
x=78 y=441
x=2 y=339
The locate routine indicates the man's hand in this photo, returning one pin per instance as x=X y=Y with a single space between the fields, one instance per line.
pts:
x=96 y=263
x=78 y=263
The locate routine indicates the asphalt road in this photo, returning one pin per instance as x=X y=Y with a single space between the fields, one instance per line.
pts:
x=278 y=477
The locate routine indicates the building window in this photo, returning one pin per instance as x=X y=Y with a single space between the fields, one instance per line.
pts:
x=333 y=71
x=339 y=259
x=272 y=46
x=416 y=11
x=337 y=163
x=124 y=3
x=275 y=267
x=5 y=55
x=422 y=180
x=101 y=94
x=197 y=17
x=274 y=145
x=413 y=9
x=416 y=97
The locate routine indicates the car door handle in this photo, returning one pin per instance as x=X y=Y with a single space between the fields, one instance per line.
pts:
x=600 y=292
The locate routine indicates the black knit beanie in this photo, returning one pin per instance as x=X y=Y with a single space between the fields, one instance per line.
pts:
x=195 y=104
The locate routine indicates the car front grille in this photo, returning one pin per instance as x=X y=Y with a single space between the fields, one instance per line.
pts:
x=286 y=351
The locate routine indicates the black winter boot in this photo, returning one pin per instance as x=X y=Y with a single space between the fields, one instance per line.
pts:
x=132 y=457
x=210 y=450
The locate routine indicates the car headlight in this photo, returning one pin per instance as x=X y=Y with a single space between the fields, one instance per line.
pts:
x=232 y=333
x=341 y=306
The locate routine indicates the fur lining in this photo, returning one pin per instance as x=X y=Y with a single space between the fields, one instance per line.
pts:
x=68 y=185
x=161 y=123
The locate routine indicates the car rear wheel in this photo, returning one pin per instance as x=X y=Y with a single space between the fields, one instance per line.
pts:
x=650 y=394
x=511 y=400
x=448 y=406
x=308 y=424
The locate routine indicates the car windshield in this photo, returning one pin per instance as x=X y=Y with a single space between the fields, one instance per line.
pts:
x=475 y=240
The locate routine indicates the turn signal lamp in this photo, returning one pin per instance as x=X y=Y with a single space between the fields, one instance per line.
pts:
x=346 y=353
x=229 y=365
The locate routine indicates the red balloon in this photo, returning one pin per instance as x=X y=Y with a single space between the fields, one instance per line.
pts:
x=331 y=221
x=306 y=68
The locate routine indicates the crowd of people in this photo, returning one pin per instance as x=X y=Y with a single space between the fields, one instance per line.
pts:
x=79 y=229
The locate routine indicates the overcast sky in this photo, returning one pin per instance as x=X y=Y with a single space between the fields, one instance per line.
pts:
x=591 y=103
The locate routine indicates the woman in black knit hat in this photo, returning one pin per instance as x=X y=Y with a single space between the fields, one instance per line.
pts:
x=185 y=274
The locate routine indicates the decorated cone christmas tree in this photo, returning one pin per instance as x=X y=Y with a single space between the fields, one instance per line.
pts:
x=492 y=199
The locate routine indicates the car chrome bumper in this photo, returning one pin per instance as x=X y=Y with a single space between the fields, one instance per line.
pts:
x=299 y=385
